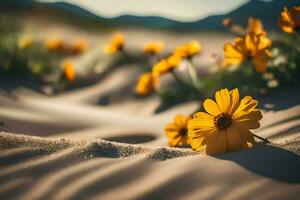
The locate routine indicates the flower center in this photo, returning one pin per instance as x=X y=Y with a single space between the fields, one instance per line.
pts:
x=183 y=132
x=223 y=121
x=249 y=55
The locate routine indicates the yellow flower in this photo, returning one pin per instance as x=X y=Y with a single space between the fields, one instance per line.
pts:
x=289 y=20
x=146 y=84
x=116 y=44
x=55 y=44
x=24 y=42
x=154 y=47
x=162 y=67
x=255 y=26
x=251 y=47
x=68 y=70
x=80 y=46
x=174 y=60
x=227 y=123
x=188 y=50
x=177 y=131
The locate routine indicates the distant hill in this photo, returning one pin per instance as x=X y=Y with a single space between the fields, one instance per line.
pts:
x=268 y=12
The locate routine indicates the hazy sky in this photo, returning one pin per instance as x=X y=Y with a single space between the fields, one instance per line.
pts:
x=182 y=10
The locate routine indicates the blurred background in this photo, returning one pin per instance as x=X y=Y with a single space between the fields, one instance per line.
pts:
x=54 y=46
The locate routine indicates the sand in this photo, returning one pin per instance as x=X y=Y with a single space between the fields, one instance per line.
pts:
x=64 y=147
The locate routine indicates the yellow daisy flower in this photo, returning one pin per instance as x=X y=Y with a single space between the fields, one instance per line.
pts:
x=289 y=20
x=177 y=131
x=55 y=44
x=188 y=50
x=116 y=44
x=227 y=123
x=146 y=84
x=162 y=67
x=80 y=46
x=68 y=70
x=153 y=47
x=174 y=61
x=255 y=26
x=251 y=47
x=24 y=42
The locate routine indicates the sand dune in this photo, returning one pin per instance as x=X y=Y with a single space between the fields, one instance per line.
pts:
x=65 y=149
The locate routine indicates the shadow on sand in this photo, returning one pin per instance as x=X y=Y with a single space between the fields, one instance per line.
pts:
x=268 y=161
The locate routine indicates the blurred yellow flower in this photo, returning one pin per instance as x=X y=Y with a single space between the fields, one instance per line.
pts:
x=116 y=44
x=162 y=67
x=174 y=60
x=227 y=123
x=80 y=46
x=68 y=70
x=177 y=131
x=188 y=50
x=55 y=44
x=24 y=42
x=255 y=26
x=154 y=47
x=146 y=84
x=289 y=20
x=251 y=47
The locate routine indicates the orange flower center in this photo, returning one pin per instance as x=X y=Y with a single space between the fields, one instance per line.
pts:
x=183 y=132
x=223 y=121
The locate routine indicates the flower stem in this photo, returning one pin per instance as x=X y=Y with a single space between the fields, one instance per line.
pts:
x=261 y=138
x=176 y=77
x=194 y=75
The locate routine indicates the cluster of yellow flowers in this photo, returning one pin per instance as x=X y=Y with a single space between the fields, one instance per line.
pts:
x=57 y=44
x=253 y=47
x=227 y=123
x=148 y=81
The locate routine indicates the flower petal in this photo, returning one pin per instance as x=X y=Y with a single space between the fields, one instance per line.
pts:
x=203 y=115
x=216 y=144
x=246 y=105
x=233 y=139
x=249 y=120
x=211 y=107
x=201 y=123
x=234 y=98
x=223 y=100
x=171 y=131
x=196 y=143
